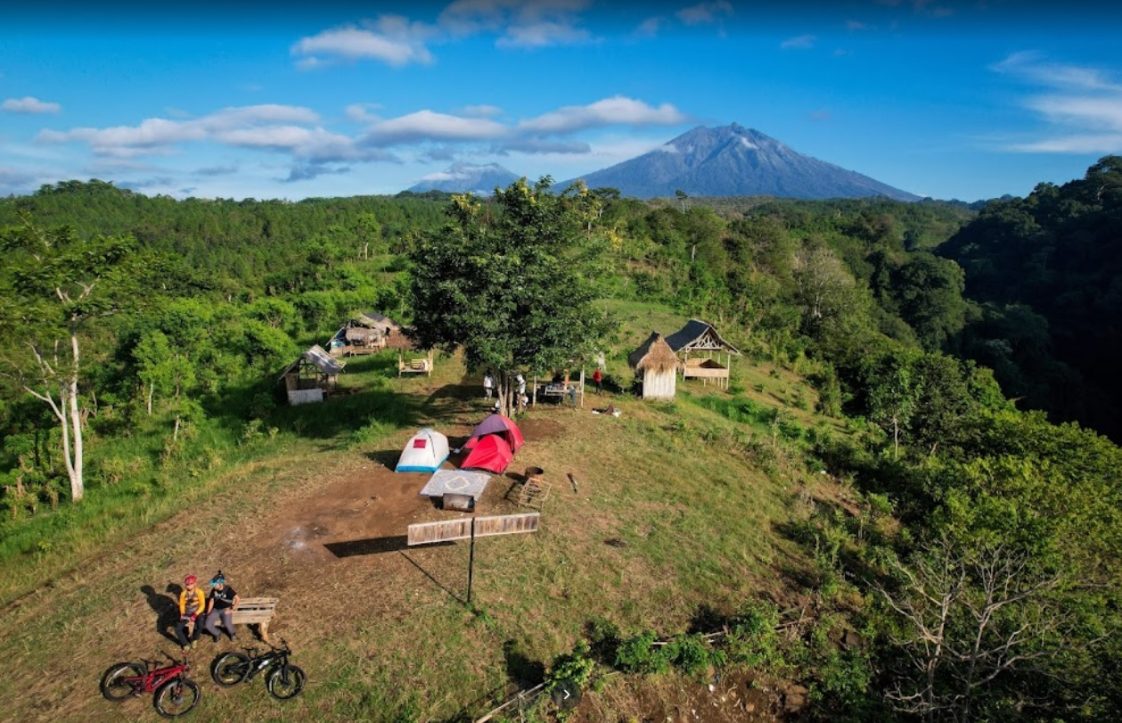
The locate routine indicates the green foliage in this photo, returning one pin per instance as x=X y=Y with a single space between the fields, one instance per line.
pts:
x=513 y=285
x=638 y=654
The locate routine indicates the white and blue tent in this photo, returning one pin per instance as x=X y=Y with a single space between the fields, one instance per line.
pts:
x=424 y=452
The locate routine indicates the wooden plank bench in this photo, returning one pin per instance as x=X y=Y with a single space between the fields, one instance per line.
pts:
x=256 y=611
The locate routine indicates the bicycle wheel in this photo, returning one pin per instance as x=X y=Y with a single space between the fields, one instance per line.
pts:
x=285 y=681
x=230 y=668
x=114 y=684
x=176 y=697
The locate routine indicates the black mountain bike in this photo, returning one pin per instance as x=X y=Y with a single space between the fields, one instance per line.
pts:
x=282 y=679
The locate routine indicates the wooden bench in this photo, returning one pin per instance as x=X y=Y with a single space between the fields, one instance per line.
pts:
x=415 y=366
x=256 y=611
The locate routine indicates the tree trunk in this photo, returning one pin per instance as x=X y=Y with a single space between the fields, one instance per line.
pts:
x=77 y=484
x=151 y=391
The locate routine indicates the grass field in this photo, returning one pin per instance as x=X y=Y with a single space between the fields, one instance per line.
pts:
x=679 y=508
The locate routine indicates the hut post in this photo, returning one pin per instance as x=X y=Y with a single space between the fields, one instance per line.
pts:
x=535 y=391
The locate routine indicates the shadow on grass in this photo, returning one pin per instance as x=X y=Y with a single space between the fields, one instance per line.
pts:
x=166 y=608
x=434 y=581
x=386 y=457
x=368 y=546
x=522 y=671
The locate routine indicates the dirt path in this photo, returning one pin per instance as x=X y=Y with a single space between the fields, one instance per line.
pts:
x=310 y=530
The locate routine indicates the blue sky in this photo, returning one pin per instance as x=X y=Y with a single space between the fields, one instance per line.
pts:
x=950 y=99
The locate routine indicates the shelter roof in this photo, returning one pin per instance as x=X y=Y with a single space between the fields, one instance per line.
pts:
x=318 y=358
x=699 y=335
x=372 y=318
x=654 y=354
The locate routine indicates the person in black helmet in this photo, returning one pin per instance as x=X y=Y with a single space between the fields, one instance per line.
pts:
x=220 y=606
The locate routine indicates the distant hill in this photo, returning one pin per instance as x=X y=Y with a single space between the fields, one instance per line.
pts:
x=467 y=178
x=735 y=161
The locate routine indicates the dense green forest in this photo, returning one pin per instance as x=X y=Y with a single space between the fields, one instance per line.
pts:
x=994 y=598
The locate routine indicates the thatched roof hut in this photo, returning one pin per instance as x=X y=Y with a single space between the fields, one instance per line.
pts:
x=658 y=364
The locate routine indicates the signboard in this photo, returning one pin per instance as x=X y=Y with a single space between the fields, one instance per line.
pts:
x=426 y=533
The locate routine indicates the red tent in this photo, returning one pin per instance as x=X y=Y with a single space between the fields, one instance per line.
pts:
x=497 y=425
x=490 y=452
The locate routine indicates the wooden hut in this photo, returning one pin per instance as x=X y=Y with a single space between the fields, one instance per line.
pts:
x=311 y=377
x=364 y=334
x=658 y=364
x=701 y=349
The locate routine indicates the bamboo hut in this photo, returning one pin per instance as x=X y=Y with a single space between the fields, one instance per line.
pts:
x=711 y=355
x=311 y=377
x=659 y=366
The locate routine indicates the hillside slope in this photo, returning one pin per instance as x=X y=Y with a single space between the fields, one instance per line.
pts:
x=670 y=517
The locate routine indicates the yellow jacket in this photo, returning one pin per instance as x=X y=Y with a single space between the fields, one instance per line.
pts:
x=200 y=602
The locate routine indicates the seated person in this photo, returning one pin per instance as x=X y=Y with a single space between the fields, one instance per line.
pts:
x=220 y=607
x=192 y=603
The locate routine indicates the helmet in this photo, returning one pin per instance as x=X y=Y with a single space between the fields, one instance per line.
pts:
x=190 y=580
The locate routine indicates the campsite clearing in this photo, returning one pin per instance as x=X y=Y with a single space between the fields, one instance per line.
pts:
x=382 y=629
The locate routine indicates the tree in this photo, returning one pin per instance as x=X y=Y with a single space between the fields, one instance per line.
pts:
x=513 y=284
x=55 y=287
x=969 y=620
x=893 y=393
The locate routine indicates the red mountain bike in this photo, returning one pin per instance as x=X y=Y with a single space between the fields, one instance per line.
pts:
x=174 y=693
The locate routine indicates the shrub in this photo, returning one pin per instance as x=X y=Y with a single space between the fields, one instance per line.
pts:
x=638 y=655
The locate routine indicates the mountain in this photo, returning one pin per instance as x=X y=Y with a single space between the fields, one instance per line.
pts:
x=735 y=161
x=467 y=177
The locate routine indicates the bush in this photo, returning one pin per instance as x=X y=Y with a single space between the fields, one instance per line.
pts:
x=690 y=654
x=638 y=655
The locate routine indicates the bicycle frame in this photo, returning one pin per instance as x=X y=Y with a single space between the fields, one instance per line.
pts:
x=267 y=660
x=153 y=679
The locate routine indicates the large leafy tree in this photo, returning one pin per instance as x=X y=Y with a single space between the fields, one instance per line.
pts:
x=512 y=282
x=54 y=288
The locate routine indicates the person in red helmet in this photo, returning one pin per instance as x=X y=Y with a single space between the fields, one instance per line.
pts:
x=192 y=605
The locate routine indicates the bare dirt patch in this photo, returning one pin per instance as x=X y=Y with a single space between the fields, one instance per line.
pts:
x=731 y=698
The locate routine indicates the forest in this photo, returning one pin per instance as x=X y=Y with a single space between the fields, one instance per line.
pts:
x=972 y=350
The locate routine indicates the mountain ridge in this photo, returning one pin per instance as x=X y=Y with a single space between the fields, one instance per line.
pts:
x=735 y=161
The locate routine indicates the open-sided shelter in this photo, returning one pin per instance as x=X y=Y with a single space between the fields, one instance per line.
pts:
x=497 y=425
x=364 y=334
x=424 y=452
x=490 y=452
x=311 y=376
x=658 y=364
x=700 y=347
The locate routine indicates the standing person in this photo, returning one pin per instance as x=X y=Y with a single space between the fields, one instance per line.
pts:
x=220 y=607
x=488 y=384
x=192 y=603
x=597 y=378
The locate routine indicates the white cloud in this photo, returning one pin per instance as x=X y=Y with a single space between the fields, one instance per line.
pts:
x=361 y=112
x=1031 y=66
x=29 y=104
x=158 y=135
x=706 y=12
x=1082 y=143
x=543 y=34
x=1084 y=104
x=522 y=24
x=799 y=42
x=482 y=111
x=426 y=125
x=617 y=110
x=541 y=145
x=391 y=39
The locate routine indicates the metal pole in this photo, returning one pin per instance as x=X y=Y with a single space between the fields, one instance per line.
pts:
x=471 y=559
